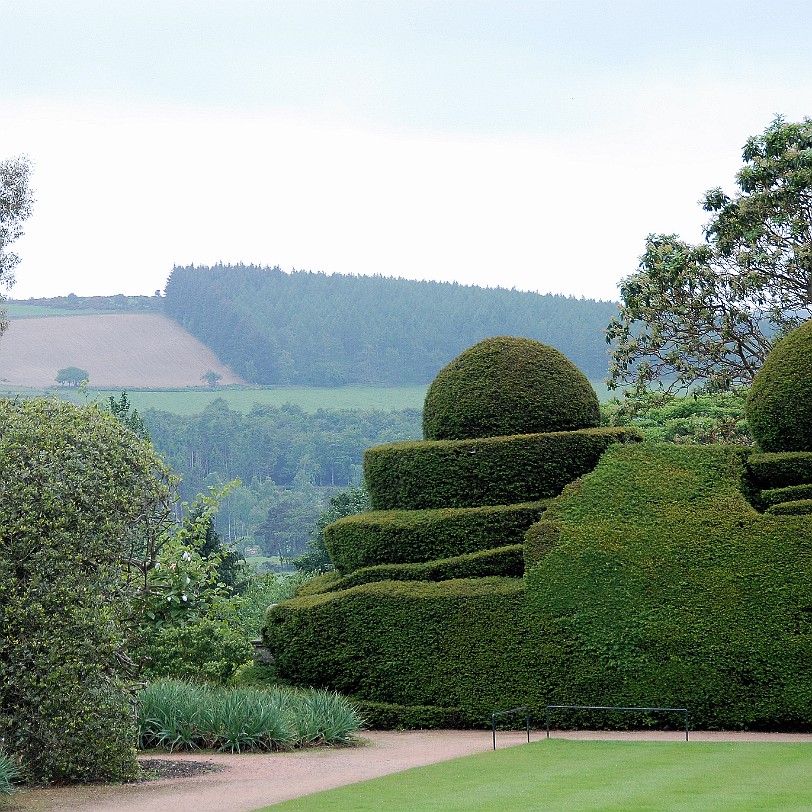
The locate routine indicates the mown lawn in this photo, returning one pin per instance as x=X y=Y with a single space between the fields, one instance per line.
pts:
x=580 y=775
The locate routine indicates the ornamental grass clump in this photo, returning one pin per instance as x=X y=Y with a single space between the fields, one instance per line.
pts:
x=184 y=716
x=9 y=774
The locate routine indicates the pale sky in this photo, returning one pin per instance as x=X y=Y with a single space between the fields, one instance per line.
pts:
x=492 y=142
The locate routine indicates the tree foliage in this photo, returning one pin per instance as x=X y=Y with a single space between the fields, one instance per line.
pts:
x=16 y=206
x=80 y=494
x=273 y=327
x=72 y=376
x=345 y=503
x=710 y=313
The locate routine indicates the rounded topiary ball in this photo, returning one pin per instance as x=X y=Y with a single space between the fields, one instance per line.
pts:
x=779 y=405
x=505 y=386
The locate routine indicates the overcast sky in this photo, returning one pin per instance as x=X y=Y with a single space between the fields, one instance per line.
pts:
x=492 y=142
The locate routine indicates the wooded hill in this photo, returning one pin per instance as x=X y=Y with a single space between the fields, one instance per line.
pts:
x=272 y=327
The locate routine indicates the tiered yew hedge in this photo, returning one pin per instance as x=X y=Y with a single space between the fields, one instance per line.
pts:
x=400 y=536
x=467 y=646
x=779 y=404
x=507 y=385
x=504 y=561
x=490 y=471
x=674 y=591
x=780 y=469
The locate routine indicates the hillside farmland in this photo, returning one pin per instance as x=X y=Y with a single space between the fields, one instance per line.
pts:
x=125 y=350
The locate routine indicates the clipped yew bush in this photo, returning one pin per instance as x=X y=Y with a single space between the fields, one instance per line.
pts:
x=674 y=591
x=505 y=385
x=403 y=536
x=490 y=471
x=467 y=646
x=779 y=404
x=507 y=561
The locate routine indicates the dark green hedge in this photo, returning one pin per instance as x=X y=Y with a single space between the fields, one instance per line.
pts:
x=799 y=507
x=387 y=716
x=493 y=471
x=781 y=469
x=791 y=493
x=779 y=403
x=504 y=561
x=505 y=386
x=675 y=591
x=405 y=536
x=469 y=646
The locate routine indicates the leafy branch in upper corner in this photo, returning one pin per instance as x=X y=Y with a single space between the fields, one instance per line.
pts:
x=710 y=313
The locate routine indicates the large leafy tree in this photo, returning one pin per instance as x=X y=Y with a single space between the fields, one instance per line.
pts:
x=80 y=494
x=16 y=205
x=710 y=313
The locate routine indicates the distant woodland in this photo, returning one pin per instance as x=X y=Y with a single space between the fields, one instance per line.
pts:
x=289 y=463
x=273 y=327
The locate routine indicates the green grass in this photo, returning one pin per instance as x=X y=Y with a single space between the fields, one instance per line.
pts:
x=21 y=310
x=242 y=399
x=579 y=775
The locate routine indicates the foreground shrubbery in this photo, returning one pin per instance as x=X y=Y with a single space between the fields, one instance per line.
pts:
x=184 y=716
x=9 y=773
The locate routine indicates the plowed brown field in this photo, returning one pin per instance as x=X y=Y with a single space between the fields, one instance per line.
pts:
x=128 y=350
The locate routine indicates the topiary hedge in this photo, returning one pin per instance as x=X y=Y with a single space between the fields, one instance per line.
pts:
x=469 y=646
x=674 y=591
x=492 y=471
x=780 y=470
x=779 y=404
x=504 y=386
x=402 y=536
x=798 y=507
x=792 y=493
x=505 y=561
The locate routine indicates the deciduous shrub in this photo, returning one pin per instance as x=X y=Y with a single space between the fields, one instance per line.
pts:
x=779 y=404
x=403 y=536
x=505 y=385
x=76 y=487
x=492 y=471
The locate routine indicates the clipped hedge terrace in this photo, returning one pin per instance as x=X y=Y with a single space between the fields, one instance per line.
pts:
x=675 y=591
x=405 y=536
x=490 y=471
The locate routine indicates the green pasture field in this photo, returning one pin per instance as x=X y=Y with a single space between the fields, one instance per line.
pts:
x=559 y=774
x=19 y=310
x=243 y=398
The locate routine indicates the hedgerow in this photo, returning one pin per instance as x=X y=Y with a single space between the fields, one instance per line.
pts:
x=491 y=471
x=400 y=536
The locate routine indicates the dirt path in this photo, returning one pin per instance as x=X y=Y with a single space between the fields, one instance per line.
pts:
x=248 y=782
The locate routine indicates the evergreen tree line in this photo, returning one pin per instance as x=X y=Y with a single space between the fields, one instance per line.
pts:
x=273 y=327
x=289 y=463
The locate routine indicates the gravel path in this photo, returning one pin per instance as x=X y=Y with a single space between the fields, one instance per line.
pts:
x=241 y=783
